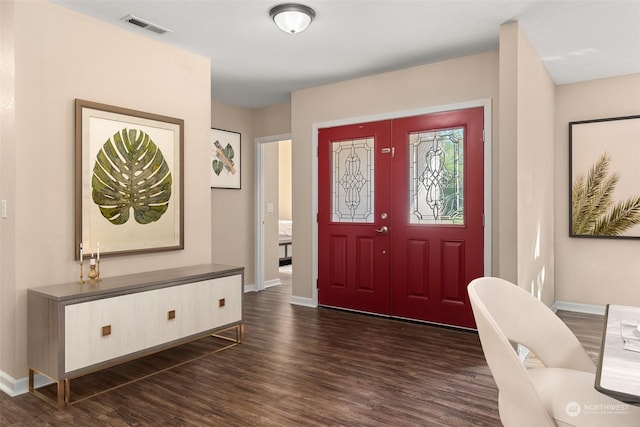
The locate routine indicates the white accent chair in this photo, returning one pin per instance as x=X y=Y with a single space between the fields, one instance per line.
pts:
x=562 y=392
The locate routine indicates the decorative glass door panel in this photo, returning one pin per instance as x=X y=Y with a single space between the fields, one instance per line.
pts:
x=436 y=172
x=352 y=181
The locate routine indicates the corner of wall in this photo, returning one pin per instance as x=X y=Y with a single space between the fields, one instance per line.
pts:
x=506 y=174
x=7 y=190
x=578 y=308
x=13 y=387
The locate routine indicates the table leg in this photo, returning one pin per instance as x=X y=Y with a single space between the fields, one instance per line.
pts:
x=31 y=380
x=61 y=395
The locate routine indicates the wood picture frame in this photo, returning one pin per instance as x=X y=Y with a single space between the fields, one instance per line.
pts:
x=129 y=181
x=604 y=178
x=225 y=161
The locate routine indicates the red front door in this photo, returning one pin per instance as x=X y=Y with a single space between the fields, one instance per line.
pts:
x=353 y=192
x=401 y=216
x=437 y=230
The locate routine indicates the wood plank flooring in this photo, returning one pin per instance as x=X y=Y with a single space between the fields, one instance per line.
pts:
x=299 y=366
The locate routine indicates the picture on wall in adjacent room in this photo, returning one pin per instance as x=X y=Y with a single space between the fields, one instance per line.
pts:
x=604 y=170
x=129 y=180
x=225 y=159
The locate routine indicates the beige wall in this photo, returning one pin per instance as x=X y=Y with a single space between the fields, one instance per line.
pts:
x=59 y=56
x=505 y=171
x=592 y=271
x=284 y=177
x=527 y=96
x=455 y=81
x=233 y=211
x=7 y=192
x=272 y=121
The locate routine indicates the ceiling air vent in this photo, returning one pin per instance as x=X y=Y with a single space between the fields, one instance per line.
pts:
x=134 y=20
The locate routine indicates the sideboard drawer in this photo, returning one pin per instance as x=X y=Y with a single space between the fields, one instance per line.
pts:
x=227 y=301
x=189 y=309
x=86 y=343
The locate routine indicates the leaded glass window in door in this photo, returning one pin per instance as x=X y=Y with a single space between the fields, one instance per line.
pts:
x=352 y=191
x=436 y=173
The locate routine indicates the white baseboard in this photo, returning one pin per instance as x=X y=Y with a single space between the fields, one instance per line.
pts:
x=270 y=283
x=305 y=302
x=8 y=384
x=578 y=308
x=13 y=387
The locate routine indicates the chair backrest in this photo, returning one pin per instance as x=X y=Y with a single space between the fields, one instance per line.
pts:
x=506 y=314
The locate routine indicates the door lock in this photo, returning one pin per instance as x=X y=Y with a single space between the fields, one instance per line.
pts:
x=383 y=230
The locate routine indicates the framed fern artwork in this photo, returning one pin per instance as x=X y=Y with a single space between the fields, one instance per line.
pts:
x=129 y=180
x=224 y=162
x=604 y=171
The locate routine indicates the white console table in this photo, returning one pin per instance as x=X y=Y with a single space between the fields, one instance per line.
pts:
x=75 y=329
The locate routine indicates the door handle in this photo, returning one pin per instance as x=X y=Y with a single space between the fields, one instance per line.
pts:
x=383 y=230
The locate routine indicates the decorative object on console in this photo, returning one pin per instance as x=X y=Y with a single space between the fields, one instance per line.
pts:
x=604 y=174
x=98 y=278
x=81 y=280
x=94 y=267
x=93 y=273
x=225 y=159
x=129 y=180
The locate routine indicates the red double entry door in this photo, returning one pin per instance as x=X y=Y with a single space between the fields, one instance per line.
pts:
x=400 y=216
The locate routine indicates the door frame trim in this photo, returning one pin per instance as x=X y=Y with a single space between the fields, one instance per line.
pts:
x=486 y=103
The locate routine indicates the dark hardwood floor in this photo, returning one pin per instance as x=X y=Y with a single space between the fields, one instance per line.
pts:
x=298 y=366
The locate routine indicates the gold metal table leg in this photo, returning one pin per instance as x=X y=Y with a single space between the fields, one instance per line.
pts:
x=62 y=390
x=31 y=380
x=62 y=400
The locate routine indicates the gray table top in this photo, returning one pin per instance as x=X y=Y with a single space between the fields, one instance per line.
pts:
x=110 y=286
x=618 y=371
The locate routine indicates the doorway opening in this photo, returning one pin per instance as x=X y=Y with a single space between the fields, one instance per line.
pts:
x=274 y=225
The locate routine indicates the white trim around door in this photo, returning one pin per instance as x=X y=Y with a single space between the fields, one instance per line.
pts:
x=485 y=103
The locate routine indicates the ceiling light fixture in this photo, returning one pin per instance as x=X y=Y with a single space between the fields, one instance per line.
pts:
x=291 y=17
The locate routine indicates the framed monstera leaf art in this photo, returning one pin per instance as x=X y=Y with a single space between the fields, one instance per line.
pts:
x=224 y=162
x=129 y=180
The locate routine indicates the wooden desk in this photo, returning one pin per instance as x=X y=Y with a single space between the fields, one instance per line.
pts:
x=618 y=370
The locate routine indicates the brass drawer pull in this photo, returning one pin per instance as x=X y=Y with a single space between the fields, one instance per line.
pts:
x=106 y=330
x=171 y=314
x=221 y=302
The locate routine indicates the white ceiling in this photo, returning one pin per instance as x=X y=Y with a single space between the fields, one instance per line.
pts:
x=254 y=64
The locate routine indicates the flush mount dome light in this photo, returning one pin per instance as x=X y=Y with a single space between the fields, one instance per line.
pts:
x=292 y=18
